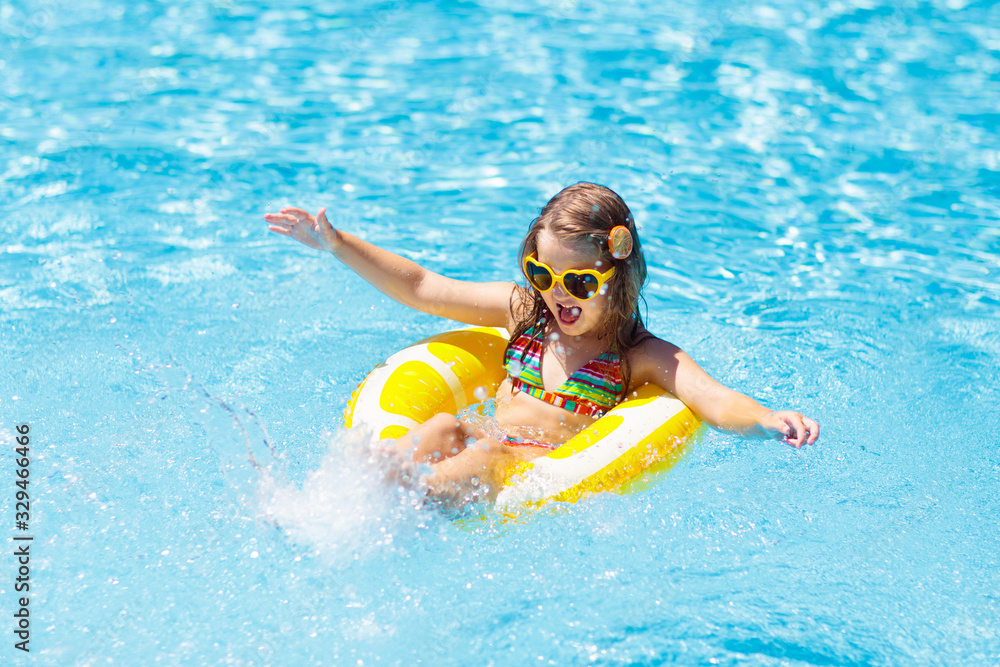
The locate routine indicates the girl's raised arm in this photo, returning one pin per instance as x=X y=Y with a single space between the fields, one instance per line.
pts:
x=668 y=366
x=484 y=304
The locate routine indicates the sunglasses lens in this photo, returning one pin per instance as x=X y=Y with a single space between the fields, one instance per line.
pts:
x=539 y=276
x=581 y=285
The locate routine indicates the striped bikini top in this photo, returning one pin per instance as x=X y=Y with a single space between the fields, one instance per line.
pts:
x=592 y=390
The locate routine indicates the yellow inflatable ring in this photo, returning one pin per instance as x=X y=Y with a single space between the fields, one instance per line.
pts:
x=622 y=451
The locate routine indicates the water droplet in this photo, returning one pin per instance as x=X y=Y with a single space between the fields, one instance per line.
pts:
x=480 y=393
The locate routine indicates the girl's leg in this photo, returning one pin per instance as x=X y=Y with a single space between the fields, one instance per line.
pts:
x=464 y=463
x=476 y=470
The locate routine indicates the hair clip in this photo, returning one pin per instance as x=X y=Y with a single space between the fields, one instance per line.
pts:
x=620 y=242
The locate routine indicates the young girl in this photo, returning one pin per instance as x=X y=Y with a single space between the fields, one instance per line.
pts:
x=577 y=347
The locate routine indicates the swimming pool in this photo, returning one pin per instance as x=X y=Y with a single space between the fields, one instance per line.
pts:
x=817 y=185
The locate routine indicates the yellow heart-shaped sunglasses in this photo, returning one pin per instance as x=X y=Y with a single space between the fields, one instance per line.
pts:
x=580 y=284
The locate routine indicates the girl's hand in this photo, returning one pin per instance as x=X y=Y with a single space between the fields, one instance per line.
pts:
x=791 y=427
x=315 y=232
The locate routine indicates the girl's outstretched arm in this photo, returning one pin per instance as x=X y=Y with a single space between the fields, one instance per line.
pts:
x=668 y=366
x=485 y=304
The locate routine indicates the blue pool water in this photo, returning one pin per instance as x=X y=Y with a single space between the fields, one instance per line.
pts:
x=818 y=189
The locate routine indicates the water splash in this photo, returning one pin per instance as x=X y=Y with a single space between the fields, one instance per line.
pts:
x=353 y=504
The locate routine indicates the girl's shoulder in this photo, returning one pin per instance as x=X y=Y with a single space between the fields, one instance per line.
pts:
x=646 y=342
x=649 y=354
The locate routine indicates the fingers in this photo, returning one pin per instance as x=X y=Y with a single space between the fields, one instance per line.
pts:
x=285 y=218
x=284 y=222
x=798 y=429
x=289 y=217
x=813 y=428
x=281 y=224
x=793 y=434
x=313 y=231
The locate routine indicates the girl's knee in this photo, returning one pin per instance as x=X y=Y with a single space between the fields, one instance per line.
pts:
x=438 y=438
x=444 y=422
x=490 y=448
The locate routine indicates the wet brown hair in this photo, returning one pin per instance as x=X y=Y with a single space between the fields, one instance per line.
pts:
x=583 y=214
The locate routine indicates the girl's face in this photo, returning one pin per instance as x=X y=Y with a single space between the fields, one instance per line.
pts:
x=575 y=317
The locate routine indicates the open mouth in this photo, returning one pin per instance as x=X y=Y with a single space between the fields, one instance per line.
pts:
x=568 y=314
